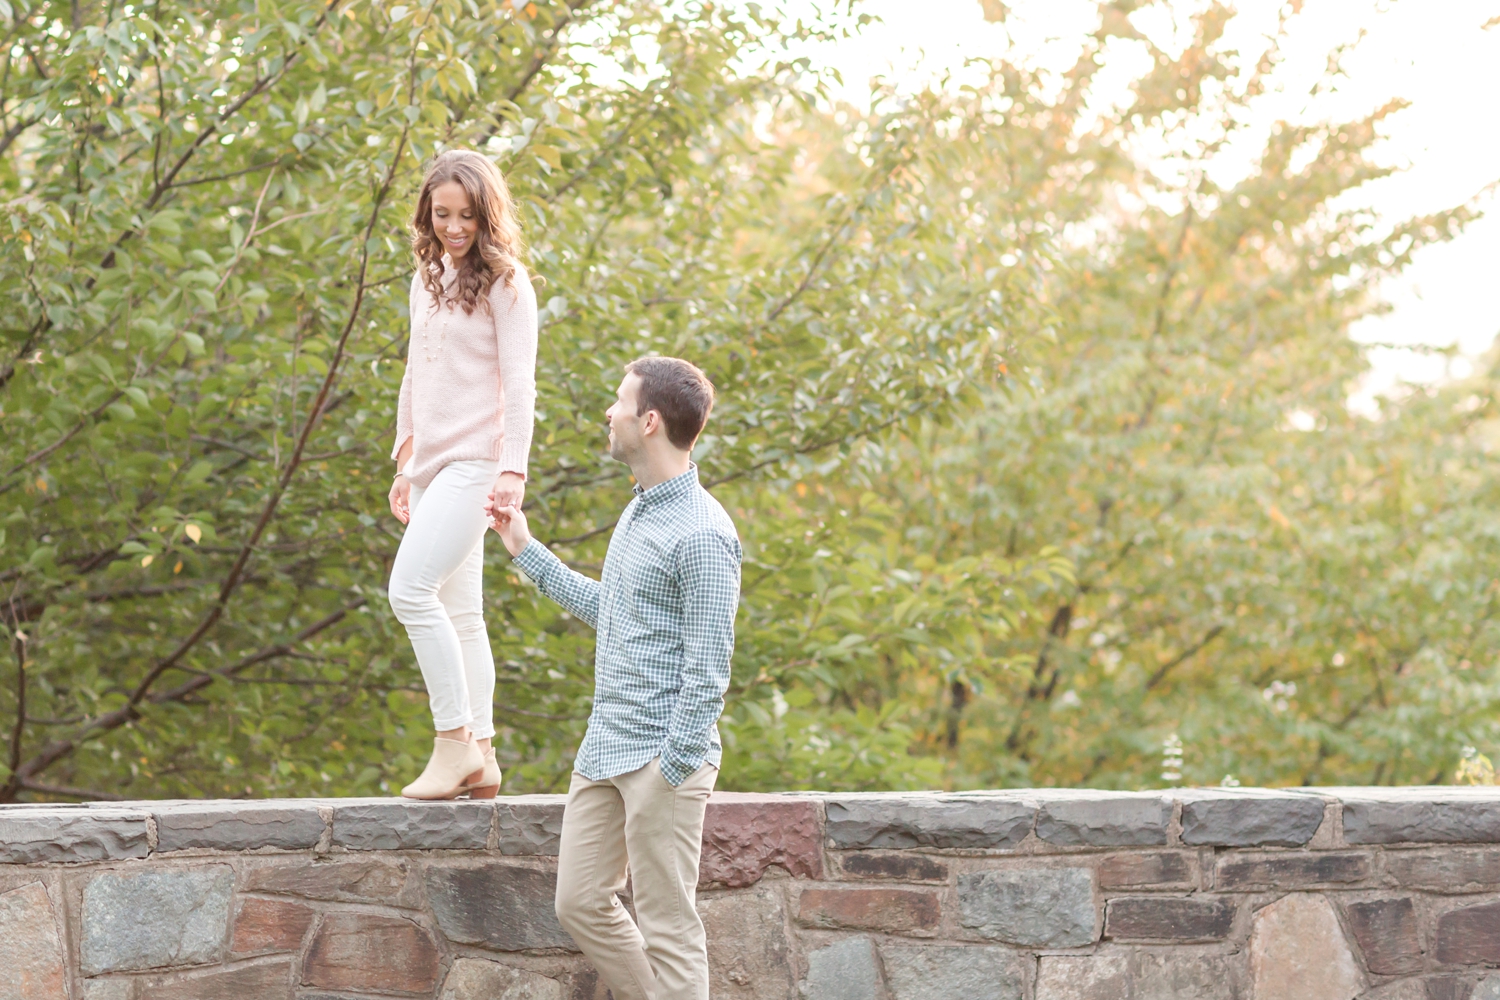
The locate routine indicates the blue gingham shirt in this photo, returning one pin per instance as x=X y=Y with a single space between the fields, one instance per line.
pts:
x=664 y=612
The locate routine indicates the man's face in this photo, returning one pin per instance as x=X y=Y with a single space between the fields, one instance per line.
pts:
x=624 y=424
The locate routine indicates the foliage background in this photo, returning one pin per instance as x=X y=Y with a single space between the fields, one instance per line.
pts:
x=1041 y=458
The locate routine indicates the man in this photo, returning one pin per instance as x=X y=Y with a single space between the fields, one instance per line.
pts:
x=664 y=612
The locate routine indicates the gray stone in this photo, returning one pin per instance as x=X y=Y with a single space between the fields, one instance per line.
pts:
x=1298 y=951
x=748 y=952
x=31 y=955
x=906 y=821
x=473 y=979
x=110 y=989
x=1105 y=819
x=1444 y=815
x=1448 y=988
x=1488 y=989
x=1039 y=907
x=239 y=826
x=1169 y=918
x=949 y=972
x=1445 y=869
x=1249 y=818
x=406 y=825
x=1290 y=871
x=900 y=867
x=1139 y=975
x=505 y=907
x=1403 y=989
x=341 y=880
x=155 y=919
x=269 y=980
x=530 y=824
x=29 y=836
x=844 y=970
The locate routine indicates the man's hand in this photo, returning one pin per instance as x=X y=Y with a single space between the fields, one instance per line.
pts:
x=510 y=523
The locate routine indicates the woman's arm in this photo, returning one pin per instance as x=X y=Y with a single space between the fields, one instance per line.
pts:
x=513 y=306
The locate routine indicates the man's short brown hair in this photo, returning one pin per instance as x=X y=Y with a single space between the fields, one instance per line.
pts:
x=677 y=390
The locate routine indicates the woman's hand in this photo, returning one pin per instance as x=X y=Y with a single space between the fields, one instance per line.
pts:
x=400 y=498
x=509 y=490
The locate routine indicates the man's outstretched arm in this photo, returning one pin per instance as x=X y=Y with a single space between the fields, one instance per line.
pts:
x=574 y=591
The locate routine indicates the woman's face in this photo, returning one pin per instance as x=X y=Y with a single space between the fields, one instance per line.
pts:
x=453 y=219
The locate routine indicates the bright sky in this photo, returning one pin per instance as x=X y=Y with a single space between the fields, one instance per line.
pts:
x=1434 y=53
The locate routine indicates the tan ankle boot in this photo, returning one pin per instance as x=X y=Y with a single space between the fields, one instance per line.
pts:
x=484 y=783
x=443 y=778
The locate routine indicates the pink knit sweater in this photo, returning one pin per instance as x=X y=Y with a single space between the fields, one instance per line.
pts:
x=470 y=386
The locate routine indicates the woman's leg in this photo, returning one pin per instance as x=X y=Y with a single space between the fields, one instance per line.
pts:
x=463 y=598
x=447 y=523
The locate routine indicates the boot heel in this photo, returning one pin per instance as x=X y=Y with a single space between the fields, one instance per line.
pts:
x=485 y=782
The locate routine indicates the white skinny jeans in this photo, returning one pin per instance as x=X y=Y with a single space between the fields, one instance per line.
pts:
x=436 y=592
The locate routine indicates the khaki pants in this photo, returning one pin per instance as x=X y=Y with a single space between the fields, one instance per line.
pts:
x=638 y=821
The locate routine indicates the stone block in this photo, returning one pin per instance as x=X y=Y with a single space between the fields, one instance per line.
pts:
x=1169 y=918
x=897 y=867
x=1164 y=868
x=1388 y=935
x=925 y=820
x=155 y=919
x=1249 y=818
x=1105 y=819
x=1289 y=871
x=1401 y=989
x=1444 y=815
x=71 y=834
x=335 y=880
x=748 y=952
x=406 y=825
x=844 y=970
x=504 y=907
x=530 y=824
x=949 y=972
x=261 y=981
x=1470 y=936
x=1298 y=951
x=264 y=926
x=1449 y=988
x=1487 y=988
x=238 y=826
x=891 y=910
x=474 y=979
x=31 y=955
x=1038 y=907
x=745 y=834
x=371 y=953
x=1445 y=869
x=1139 y=975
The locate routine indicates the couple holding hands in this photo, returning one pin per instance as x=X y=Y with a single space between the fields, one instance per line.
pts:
x=663 y=609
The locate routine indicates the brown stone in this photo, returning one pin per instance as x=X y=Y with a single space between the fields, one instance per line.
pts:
x=1168 y=918
x=265 y=981
x=1449 y=988
x=1157 y=868
x=1470 y=936
x=1290 y=870
x=336 y=881
x=744 y=834
x=1387 y=934
x=31 y=956
x=360 y=951
x=473 y=979
x=901 y=867
x=1449 y=870
x=871 y=909
x=1298 y=952
x=749 y=957
x=270 y=925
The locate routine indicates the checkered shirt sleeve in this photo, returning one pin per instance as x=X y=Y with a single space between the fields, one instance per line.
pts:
x=568 y=587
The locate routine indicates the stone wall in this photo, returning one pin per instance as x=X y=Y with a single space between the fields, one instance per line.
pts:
x=1317 y=894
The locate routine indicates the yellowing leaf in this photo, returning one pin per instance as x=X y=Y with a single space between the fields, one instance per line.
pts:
x=178 y=567
x=194 y=532
x=146 y=560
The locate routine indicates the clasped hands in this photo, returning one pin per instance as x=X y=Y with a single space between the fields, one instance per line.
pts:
x=504 y=512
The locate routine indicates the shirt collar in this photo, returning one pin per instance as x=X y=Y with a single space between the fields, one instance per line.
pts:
x=677 y=486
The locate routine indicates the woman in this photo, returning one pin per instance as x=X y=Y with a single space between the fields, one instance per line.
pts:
x=463 y=431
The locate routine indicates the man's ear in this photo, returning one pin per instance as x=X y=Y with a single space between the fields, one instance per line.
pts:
x=651 y=423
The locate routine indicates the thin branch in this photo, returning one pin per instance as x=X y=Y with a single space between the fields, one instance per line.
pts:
x=72 y=793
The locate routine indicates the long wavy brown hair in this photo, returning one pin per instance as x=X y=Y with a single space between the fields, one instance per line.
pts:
x=496 y=252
